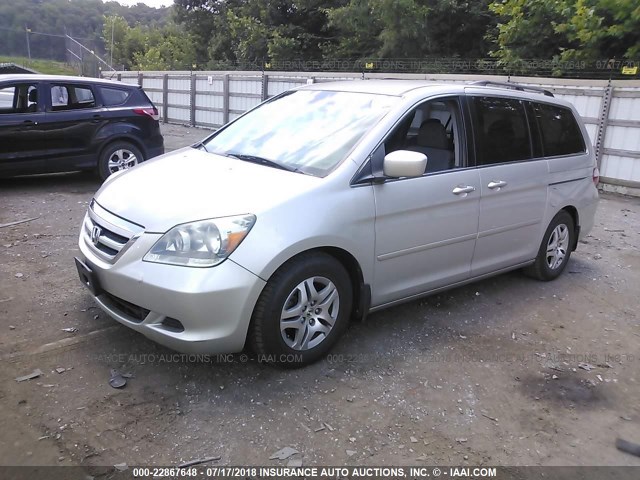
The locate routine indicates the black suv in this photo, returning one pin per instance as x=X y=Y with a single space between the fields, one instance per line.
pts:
x=51 y=123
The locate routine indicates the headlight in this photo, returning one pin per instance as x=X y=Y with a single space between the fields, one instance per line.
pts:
x=201 y=244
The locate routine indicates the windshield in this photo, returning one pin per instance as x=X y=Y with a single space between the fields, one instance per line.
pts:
x=309 y=131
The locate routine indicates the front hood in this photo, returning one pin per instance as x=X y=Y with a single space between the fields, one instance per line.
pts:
x=190 y=184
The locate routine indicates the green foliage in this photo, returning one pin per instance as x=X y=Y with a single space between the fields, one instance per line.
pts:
x=50 y=20
x=360 y=29
x=144 y=48
x=221 y=33
x=567 y=29
x=410 y=28
x=256 y=31
x=602 y=29
x=49 y=67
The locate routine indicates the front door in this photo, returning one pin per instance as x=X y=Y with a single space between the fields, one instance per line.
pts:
x=426 y=226
x=21 y=140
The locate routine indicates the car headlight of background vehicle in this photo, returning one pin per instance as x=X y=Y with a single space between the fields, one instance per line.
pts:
x=201 y=244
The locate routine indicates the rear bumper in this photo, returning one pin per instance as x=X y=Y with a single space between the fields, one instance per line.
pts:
x=155 y=152
x=587 y=215
x=155 y=148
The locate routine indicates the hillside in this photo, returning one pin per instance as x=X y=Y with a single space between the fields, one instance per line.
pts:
x=50 y=67
x=49 y=21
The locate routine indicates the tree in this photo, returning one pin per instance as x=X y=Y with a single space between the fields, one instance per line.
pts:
x=114 y=32
x=207 y=22
x=567 y=29
x=602 y=29
x=143 y=48
x=257 y=31
x=526 y=29
x=50 y=20
x=410 y=28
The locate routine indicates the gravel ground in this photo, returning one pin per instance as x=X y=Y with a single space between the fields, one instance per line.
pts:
x=507 y=371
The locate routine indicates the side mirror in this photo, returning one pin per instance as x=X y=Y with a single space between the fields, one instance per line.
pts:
x=404 y=163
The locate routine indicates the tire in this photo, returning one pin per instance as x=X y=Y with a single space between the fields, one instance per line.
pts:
x=555 y=249
x=118 y=156
x=291 y=323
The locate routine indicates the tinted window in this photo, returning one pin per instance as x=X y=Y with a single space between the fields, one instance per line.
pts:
x=71 y=97
x=559 y=129
x=113 y=96
x=501 y=130
x=431 y=128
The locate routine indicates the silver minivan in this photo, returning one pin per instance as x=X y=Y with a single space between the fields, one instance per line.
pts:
x=334 y=200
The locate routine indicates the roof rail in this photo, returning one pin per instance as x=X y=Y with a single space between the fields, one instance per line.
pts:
x=514 y=86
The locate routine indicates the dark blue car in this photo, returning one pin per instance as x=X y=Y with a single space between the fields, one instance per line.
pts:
x=51 y=123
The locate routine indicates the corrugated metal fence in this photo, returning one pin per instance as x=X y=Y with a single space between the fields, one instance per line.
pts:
x=611 y=110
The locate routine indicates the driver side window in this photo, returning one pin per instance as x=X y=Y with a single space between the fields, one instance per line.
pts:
x=432 y=128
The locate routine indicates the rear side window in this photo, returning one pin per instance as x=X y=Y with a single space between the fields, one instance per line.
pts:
x=71 y=97
x=560 y=132
x=501 y=130
x=114 y=96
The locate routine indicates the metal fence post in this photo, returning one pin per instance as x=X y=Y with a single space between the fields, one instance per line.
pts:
x=605 y=106
x=165 y=98
x=225 y=99
x=119 y=77
x=192 y=100
x=140 y=78
x=265 y=86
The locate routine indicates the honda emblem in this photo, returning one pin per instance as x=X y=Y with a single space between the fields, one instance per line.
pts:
x=96 y=231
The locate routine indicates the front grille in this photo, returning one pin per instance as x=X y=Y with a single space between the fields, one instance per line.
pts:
x=107 y=235
x=103 y=239
x=131 y=311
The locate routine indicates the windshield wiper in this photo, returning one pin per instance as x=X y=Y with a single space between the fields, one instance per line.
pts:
x=261 y=161
x=201 y=145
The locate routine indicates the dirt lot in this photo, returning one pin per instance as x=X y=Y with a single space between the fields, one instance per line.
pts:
x=486 y=374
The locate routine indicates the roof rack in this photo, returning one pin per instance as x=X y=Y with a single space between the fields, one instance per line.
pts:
x=514 y=86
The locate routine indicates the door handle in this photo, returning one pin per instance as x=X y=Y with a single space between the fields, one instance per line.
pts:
x=463 y=190
x=497 y=185
x=30 y=122
x=96 y=118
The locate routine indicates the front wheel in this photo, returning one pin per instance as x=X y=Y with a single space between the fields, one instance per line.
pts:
x=302 y=311
x=555 y=250
x=118 y=156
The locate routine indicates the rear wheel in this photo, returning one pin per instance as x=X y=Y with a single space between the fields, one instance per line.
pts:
x=555 y=250
x=118 y=156
x=302 y=311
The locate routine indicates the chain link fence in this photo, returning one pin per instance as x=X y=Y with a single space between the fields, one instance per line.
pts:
x=26 y=47
x=603 y=69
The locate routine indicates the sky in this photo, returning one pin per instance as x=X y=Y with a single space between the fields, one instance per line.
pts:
x=151 y=3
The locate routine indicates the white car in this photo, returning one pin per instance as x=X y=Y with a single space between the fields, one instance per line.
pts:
x=334 y=200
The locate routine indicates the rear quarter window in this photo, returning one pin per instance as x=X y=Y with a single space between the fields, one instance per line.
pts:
x=114 y=96
x=71 y=97
x=559 y=129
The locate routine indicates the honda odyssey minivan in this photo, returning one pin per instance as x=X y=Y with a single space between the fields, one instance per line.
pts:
x=334 y=200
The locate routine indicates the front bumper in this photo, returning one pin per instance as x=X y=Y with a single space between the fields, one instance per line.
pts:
x=212 y=306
